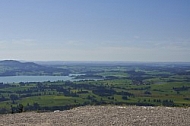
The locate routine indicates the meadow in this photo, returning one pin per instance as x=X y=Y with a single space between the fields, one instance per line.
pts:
x=142 y=84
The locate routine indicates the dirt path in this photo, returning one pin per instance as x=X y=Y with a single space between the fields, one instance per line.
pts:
x=102 y=116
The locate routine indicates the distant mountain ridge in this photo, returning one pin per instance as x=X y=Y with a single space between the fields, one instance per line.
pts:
x=14 y=63
x=16 y=68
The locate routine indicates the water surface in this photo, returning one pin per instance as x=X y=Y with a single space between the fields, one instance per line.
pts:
x=17 y=79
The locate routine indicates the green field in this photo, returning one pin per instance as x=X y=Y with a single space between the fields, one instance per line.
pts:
x=126 y=84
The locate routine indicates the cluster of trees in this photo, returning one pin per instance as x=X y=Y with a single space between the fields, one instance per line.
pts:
x=138 y=77
x=183 y=88
x=148 y=102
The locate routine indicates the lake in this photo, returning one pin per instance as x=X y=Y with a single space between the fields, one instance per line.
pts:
x=17 y=79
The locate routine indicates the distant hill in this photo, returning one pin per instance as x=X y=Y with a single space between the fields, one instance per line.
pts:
x=17 y=64
x=15 y=68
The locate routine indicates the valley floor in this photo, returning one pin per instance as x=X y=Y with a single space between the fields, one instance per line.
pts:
x=102 y=116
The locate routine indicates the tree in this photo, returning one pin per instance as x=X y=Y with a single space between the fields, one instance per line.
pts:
x=13 y=97
x=36 y=106
x=124 y=97
x=20 y=108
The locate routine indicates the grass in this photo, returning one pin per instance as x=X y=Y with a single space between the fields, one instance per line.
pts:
x=48 y=100
x=147 y=93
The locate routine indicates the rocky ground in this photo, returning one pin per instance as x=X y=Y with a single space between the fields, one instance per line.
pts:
x=102 y=116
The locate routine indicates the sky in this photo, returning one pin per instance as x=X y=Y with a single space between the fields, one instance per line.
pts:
x=95 y=30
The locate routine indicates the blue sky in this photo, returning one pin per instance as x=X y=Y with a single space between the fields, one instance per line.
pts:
x=95 y=30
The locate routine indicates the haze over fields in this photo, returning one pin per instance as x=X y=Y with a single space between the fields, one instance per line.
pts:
x=100 y=30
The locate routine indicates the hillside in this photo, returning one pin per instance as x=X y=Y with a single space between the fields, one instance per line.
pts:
x=102 y=116
x=16 y=68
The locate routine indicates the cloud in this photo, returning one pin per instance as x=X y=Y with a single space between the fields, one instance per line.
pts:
x=28 y=49
x=24 y=42
x=136 y=37
x=173 y=44
x=73 y=42
x=17 y=44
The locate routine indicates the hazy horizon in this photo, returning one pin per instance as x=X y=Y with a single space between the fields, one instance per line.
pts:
x=86 y=30
x=51 y=62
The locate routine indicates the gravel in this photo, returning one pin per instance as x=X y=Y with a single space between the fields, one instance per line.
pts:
x=102 y=116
